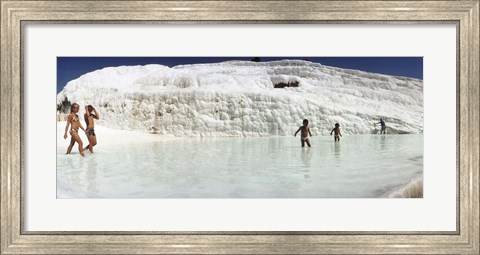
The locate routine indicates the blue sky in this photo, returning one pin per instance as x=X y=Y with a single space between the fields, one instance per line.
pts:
x=70 y=68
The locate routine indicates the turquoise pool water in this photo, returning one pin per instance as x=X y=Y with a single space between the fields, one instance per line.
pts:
x=359 y=166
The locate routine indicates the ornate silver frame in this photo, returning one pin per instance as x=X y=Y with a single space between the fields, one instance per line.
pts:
x=14 y=14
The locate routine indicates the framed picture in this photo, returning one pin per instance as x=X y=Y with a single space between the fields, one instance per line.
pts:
x=174 y=127
x=166 y=115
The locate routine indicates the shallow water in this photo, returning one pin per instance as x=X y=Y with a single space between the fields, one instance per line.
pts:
x=270 y=167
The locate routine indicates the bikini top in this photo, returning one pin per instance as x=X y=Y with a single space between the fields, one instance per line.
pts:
x=75 y=118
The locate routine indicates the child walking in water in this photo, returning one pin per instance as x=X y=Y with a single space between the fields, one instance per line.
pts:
x=75 y=122
x=337 y=132
x=305 y=133
x=89 y=116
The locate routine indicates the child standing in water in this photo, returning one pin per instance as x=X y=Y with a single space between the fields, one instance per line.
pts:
x=305 y=133
x=89 y=116
x=75 y=122
x=383 y=126
x=337 y=132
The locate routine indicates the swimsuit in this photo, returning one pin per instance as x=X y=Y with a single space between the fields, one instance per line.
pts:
x=304 y=138
x=90 y=131
x=75 y=118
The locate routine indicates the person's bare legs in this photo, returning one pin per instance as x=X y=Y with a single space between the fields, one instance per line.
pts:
x=70 y=146
x=79 y=141
x=92 y=142
x=89 y=146
x=94 y=139
x=308 y=142
x=303 y=142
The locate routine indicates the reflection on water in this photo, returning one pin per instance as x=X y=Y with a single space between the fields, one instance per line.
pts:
x=383 y=144
x=92 y=176
x=337 y=153
x=306 y=159
x=306 y=155
x=357 y=166
x=337 y=148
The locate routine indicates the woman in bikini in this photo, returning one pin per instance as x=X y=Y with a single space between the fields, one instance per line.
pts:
x=75 y=122
x=89 y=116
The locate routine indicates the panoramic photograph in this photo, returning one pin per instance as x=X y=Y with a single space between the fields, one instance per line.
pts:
x=239 y=127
